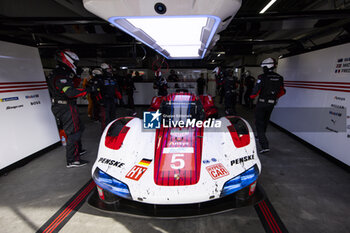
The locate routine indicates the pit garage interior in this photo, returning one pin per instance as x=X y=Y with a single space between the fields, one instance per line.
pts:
x=304 y=179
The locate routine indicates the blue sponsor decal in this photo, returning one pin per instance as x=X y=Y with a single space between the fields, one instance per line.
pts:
x=206 y=161
x=209 y=161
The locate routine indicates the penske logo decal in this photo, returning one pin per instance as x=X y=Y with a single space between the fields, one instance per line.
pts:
x=217 y=171
x=242 y=160
x=111 y=162
x=136 y=172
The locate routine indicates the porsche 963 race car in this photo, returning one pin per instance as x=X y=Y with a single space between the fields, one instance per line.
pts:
x=180 y=165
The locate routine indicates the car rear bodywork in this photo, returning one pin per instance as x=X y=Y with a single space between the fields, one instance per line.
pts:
x=173 y=166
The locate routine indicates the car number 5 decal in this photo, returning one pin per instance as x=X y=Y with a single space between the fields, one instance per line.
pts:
x=177 y=161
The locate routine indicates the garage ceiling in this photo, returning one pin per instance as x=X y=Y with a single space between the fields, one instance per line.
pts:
x=289 y=26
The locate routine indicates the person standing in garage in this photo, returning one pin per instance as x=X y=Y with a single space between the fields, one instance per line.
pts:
x=200 y=84
x=219 y=78
x=94 y=84
x=230 y=88
x=249 y=82
x=109 y=90
x=269 y=87
x=130 y=88
x=161 y=84
x=64 y=107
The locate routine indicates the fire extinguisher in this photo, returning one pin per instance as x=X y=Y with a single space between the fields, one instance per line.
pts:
x=63 y=137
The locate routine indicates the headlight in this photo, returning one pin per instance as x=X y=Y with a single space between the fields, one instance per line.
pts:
x=111 y=184
x=240 y=181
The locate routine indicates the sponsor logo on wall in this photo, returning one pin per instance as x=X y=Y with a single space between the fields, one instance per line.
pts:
x=343 y=66
x=9 y=99
x=339 y=98
x=35 y=103
x=337 y=106
x=32 y=96
x=331 y=130
x=14 y=107
x=335 y=113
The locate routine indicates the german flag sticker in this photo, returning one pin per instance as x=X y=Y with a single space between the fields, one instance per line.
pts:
x=145 y=162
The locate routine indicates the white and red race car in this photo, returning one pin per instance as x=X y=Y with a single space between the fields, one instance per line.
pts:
x=177 y=164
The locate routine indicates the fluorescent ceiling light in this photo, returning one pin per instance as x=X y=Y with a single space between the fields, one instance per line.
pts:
x=181 y=29
x=267 y=6
x=175 y=37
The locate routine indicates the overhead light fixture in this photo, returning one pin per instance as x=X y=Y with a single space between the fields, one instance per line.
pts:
x=180 y=29
x=213 y=61
x=163 y=33
x=219 y=54
x=267 y=6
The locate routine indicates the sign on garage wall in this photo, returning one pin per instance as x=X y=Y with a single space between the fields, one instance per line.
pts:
x=316 y=106
x=26 y=122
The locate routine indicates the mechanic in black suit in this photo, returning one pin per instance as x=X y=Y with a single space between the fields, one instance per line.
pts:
x=64 y=107
x=249 y=82
x=230 y=88
x=201 y=84
x=269 y=87
x=109 y=90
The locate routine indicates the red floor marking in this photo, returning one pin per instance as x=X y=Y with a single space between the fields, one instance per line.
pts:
x=69 y=208
x=266 y=218
x=274 y=221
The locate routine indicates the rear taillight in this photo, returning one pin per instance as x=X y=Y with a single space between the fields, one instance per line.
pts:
x=100 y=192
x=116 y=133
x=252 y=188
x=115 y=142
x=239 y=132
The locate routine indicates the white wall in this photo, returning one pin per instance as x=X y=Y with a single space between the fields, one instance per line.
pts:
x=317 y=99
x=26 y=122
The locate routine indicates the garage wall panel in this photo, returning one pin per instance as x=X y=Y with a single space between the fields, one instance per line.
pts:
x=26 y=122
x=316 y=105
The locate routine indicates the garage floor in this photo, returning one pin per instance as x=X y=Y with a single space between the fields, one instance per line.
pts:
x=309 y=193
